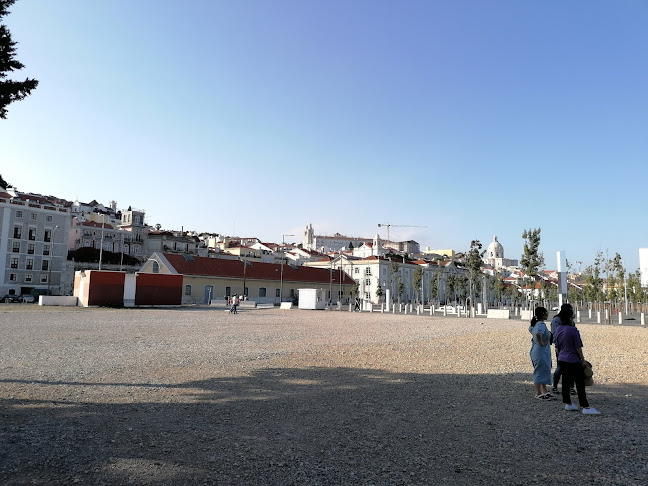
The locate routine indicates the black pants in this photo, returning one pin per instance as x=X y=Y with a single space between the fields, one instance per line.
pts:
x=573 y=373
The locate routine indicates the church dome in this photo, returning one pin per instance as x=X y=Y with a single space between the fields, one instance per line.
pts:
x=495 y=249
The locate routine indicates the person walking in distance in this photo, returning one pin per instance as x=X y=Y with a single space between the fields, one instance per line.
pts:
x=235 y=302
x=572 y=363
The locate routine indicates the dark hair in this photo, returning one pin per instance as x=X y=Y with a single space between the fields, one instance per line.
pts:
x=538 y=315
x=566 y=314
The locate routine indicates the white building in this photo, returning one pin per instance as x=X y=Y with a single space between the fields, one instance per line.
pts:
x=494 y=256
x=33 y=244
x=643 y=266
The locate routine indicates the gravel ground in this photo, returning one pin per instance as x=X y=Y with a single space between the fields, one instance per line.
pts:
x=270 y=397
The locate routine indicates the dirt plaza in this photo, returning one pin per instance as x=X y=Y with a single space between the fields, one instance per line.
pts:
x=198 y=396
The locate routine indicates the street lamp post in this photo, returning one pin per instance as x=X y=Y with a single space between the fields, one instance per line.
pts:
x=340 y=291
x=103 y=224
x=49 y=267
x=283 y=244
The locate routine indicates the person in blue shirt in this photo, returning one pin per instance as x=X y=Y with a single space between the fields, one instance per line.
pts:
x=572 y=362
x=540 y=353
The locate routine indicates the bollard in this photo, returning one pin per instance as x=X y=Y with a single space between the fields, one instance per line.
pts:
x=643 y=319
x=350 y=307
x=370 y=307
x=578 y=319
x=445 y=311
x=382 y=308
x=405 y=310
x=606 y=315
x=418 y=310
x=400 y=307
x=590 y=313
x=620 y=317
x=393 y=309
x=598 y=317
x=431 y=309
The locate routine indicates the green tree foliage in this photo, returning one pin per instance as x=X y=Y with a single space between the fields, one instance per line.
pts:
x=635 y=292
x=499 y=288
x=91 y=255
x=379 y=291
x=434 y=285
x=532 y=259
x=10 y=90
x=451 y=285
x=593 y=290
x=474 y=262
x=418 y=281
x=355 y=288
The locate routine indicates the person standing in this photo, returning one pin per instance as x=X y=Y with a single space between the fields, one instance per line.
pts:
x=572 y=364
x=540 y=353
x=566 y=314
x=235 y=302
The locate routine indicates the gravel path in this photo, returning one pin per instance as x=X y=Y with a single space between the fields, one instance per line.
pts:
x=269 y=397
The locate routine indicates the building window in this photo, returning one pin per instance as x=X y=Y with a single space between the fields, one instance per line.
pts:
x=17 y=232
x=34 y=216
x=262 y=292
x=14 y=263
x=368 y=282
x=43 y=278
x=228 y=291
x=30 y=264
x=44 y=265
x=187 y=289
x=292 y=293
x=28 y=278
x=357 y=270
x=13 y=277
x=18 y=214
x=32 y=234
x=368 y=271
x=16 y=247
x=277 y=293
x=48 y=218
x=156 y=267
x=48 y=235
x=30 y=248
x=46 y=249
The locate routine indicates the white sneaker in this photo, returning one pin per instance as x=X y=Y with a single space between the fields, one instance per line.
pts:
x=571 y=407
x=591 y=411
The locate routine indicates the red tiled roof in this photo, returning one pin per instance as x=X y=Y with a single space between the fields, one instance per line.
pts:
x=219 y=267
x=92 y=224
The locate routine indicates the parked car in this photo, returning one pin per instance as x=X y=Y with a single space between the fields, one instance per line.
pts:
x=10 y=298
x=27 y=298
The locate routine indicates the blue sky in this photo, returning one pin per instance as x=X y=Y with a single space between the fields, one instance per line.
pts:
x=255 y=118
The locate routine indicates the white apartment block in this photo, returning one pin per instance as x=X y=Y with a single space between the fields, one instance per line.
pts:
x=33 y=244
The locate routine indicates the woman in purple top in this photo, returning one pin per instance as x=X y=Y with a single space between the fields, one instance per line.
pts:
x=569 y=348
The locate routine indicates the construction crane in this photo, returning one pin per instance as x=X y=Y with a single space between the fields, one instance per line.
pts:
x=388 y=225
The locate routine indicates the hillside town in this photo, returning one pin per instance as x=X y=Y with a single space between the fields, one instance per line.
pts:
x=44 y=240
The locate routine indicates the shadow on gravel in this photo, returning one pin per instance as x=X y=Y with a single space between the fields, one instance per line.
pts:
x=322 y=426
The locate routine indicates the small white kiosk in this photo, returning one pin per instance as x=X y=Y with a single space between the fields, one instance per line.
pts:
x=312 y=299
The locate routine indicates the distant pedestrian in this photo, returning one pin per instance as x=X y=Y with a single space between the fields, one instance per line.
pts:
x=235 y=303
x=540 y=353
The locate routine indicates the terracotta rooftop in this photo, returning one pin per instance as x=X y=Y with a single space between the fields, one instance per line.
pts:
x=218 y=267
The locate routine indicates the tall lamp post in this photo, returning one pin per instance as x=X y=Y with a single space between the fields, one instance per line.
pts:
x=49 y=268
x=283 y=244
x=103 y=224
